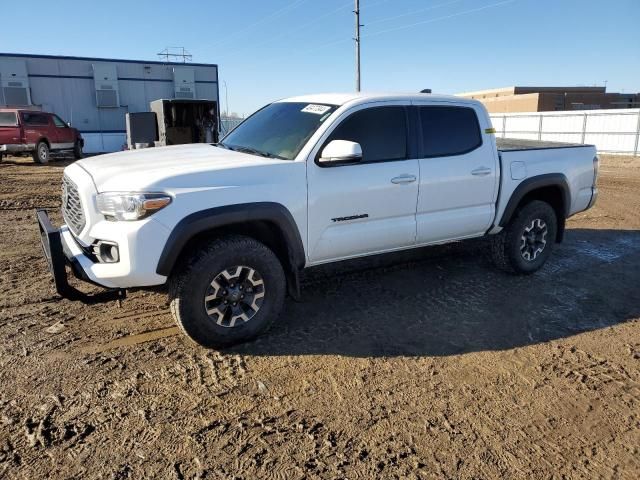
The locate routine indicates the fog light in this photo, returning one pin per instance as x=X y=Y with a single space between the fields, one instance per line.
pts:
x=107 y=252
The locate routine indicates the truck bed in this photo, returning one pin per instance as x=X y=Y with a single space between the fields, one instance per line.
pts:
x=515 y=144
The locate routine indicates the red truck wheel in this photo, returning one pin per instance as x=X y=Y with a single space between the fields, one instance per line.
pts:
x=41 y=153
x=77 y=151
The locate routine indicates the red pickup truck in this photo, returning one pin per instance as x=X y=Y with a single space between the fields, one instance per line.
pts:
x=38 y=133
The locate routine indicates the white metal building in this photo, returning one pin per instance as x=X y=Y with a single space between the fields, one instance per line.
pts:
x=94 y=94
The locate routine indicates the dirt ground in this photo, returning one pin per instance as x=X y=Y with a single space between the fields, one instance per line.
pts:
x=429 y=364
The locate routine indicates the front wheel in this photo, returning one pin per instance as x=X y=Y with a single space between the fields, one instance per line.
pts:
x=229 y=292
x=526 y=243
x=77 y=151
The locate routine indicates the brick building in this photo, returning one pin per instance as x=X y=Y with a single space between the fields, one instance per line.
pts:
x=545 y=99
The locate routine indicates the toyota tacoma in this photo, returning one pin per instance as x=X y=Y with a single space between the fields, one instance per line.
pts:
x=306 y=181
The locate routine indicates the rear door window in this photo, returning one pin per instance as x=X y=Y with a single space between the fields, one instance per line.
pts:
x=449 y=131
x=35 y=119
x=380 y=131
x=8 y=119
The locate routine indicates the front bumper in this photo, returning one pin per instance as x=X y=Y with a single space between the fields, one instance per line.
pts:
x=58 y=256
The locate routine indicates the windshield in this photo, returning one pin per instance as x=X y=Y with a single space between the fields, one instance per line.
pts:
x=279 y=130
x=8 y=119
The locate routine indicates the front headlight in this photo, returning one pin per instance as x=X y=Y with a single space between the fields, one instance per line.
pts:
x=131 y=205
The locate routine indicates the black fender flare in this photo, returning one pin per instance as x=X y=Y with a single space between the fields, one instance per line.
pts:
x=533 y=183
x=211 y=218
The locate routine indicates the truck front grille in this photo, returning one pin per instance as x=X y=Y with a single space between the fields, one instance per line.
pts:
x=72 y=206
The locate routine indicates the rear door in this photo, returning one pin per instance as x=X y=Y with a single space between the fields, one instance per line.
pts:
x=370 y=206
x=9 y=128
x=458 y=172
x=65 y=136
x=37 y=126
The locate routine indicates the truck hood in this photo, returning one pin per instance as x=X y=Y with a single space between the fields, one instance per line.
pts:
x=176 y=166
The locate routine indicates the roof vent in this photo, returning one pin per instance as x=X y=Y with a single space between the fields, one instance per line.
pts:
x=14 y=83
x=184 y=84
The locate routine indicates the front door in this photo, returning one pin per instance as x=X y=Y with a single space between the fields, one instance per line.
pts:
x=369 y=206
x=64 y=135
x=458 y=173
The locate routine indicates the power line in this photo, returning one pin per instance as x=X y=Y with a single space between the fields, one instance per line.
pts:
x=422 y=10
x=341 y=40
x=305 y=25
x=345 y=39
x=432 y=20
x=297 y=29
x=278 y=13
x=465 y=12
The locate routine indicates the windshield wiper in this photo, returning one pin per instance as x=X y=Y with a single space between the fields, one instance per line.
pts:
x=254 y=151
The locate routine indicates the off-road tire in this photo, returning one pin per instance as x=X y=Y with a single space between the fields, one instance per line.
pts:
x=506 y=245
x=41 y=154
x=77 y=151
x=189 y=285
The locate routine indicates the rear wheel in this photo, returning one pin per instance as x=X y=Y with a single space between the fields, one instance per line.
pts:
x=228 y=292
x=41 y=153
x=526 y=243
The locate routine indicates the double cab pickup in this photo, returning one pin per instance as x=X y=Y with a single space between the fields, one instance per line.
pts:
x=306 y=181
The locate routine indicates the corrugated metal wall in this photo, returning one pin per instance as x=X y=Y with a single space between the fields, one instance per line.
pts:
x=65 y=86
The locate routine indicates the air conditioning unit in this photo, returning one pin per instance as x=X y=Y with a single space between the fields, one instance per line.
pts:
x=14 y=83
x=105 y=77
x=184 y=83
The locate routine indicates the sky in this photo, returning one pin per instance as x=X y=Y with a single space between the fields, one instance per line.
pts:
x=270 y=49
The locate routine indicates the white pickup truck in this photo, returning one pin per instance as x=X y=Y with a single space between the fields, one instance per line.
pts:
x=302 y=182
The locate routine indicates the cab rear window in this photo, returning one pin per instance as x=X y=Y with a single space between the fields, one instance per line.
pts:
x=8 y=119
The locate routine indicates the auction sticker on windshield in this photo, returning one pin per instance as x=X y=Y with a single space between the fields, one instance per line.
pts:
x=317 y=109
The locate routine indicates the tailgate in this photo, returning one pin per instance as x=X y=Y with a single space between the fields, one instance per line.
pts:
x=9 y=135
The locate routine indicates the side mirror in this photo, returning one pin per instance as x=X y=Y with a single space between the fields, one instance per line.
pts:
x=341 y=152
x=69 y=124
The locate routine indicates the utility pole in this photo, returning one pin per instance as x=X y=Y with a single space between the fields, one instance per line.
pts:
x=357 y=39
x=226 y=98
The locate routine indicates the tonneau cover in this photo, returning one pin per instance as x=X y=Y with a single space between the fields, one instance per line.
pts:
x=510 y=144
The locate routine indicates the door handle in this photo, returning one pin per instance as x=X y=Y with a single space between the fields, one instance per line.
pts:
x=481 y=171
x=403 y=179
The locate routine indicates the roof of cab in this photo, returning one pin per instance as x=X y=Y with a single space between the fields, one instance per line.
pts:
x=365 y=97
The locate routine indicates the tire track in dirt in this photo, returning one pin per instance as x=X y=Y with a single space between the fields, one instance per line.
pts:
x=132 y=340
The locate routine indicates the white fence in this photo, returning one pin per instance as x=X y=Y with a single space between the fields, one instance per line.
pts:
x=611 y=131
